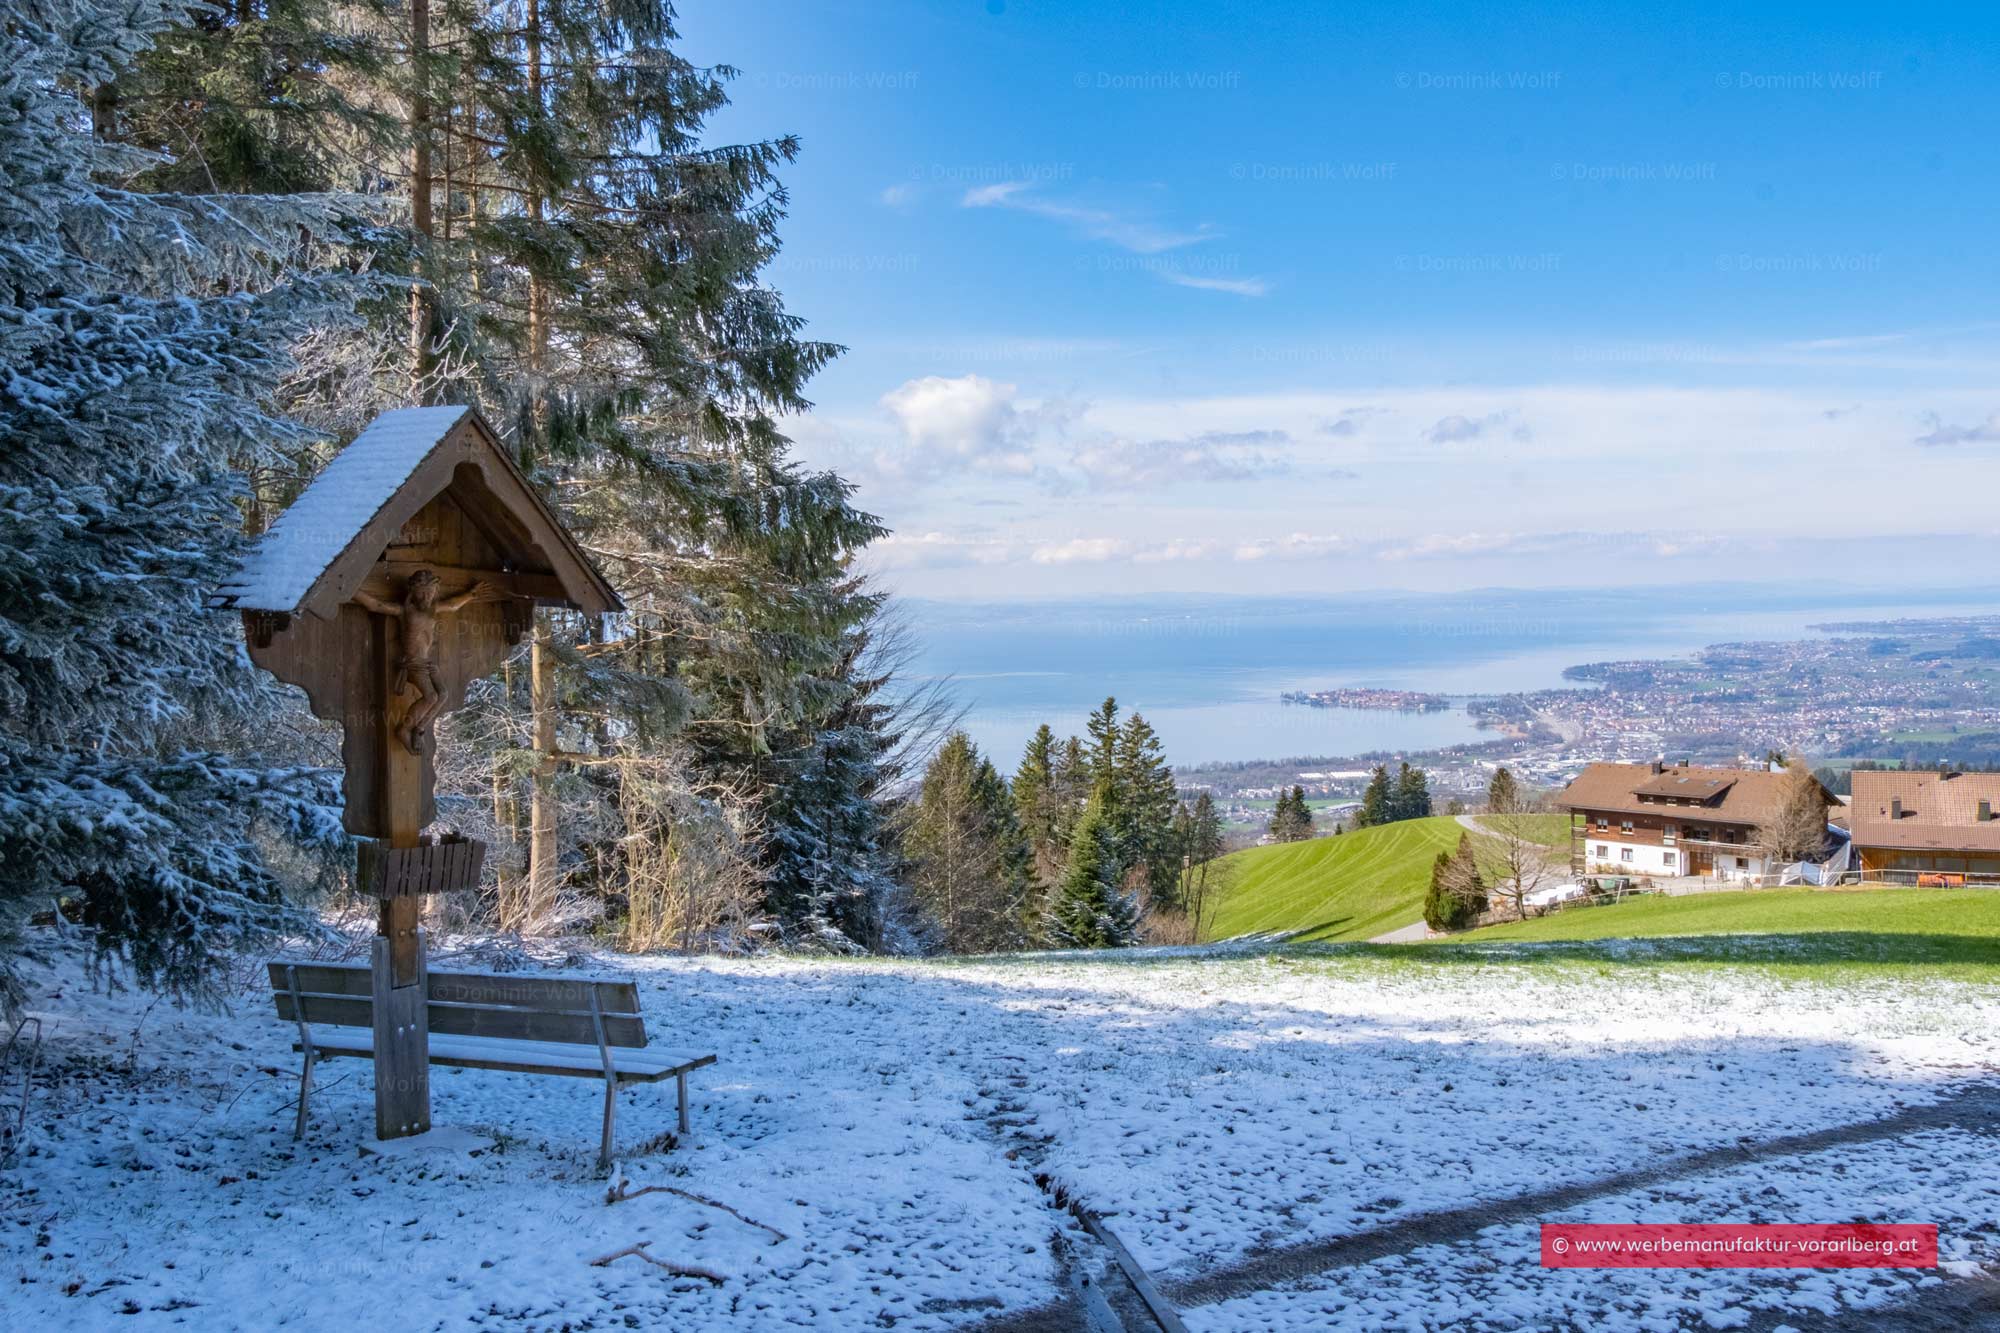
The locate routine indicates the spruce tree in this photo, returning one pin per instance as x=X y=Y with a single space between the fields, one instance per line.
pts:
x=1088 y=909
x=1037 y=806
x=1103 y=729
x=1302 y=816
x=1278 y=827
x=1148 y=798
x=141 y=338
x=1502 y=792
x=830 y=851
x=1376 y=801
x=1411 y=797
x=1457 y=895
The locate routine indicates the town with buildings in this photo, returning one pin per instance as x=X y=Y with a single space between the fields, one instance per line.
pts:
x=1908 y=693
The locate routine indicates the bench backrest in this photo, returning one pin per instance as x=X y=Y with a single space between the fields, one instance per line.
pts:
x=469 y=1004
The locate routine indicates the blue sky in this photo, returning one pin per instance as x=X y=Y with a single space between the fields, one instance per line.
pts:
x=1287 y=298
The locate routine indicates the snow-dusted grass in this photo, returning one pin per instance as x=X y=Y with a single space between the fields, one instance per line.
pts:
x=890 y=1117
x=1973 y=914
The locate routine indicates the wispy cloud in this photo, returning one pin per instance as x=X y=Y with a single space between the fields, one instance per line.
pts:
x=1213 y=456
x=899 y=196
x=1138 y=236
x=1238 y=286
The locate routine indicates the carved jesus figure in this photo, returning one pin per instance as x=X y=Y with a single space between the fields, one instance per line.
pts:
x=419 y=611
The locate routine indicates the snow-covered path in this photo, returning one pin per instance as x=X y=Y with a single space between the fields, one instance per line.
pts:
x=1236 y=1117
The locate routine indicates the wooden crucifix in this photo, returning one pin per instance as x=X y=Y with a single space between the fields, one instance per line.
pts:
x=407 y=570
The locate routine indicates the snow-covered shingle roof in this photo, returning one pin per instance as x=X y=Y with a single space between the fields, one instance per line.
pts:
x=308 y=537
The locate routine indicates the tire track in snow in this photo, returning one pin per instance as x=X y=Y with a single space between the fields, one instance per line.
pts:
x=1975 y=1107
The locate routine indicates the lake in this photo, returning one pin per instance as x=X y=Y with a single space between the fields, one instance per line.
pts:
x=1207 y=671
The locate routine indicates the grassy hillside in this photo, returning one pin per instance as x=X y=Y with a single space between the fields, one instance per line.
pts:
x=1549 y=830
x=1970 y=913
x=1352 y=887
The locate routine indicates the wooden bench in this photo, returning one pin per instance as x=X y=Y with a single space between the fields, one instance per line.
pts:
x=574 y=1027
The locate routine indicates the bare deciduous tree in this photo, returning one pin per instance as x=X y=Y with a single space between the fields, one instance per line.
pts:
x=1515 y=862
x=1795 y=828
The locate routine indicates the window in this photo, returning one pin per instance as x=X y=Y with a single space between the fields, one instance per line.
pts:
x=1668 y=834
x=1624 y=826
x=1624 y=853
x=1603 y=823
x=1602 y=850
x=1669 y=859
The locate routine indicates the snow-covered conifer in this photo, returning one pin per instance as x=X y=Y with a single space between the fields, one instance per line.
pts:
x=139 y=336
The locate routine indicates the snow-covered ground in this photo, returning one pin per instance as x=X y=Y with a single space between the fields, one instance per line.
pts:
x=1238 y=1120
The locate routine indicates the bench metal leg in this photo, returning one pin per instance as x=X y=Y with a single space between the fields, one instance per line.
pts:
x=610 y=1112
x=681 y=1081
x=305 y=1092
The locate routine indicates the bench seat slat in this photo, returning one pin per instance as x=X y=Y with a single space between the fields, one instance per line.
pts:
x=647 y=1065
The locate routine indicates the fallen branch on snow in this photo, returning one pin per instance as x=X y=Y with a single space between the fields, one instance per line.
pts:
x=621 y=1190
x=677 y=1269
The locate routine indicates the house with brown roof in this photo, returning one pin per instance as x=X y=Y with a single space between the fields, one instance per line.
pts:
x=1663 y=819
x=1927 y=827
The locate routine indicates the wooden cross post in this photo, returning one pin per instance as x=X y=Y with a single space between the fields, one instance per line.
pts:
x=401 y=988
x=398 y=869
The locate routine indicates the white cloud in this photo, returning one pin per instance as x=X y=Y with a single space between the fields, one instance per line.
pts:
x=930 y=550
x=1180 y=548
x=1080 y=551
x=1443 y=546
x=1099 y=224
x=1297 y=546
x=899 y=196
x=969 y=419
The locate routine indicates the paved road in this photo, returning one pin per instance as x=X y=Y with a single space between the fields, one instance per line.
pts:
x=1417 y=931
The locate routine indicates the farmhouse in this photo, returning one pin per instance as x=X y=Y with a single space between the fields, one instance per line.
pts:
x=1671 y=819
x=1928 y=827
